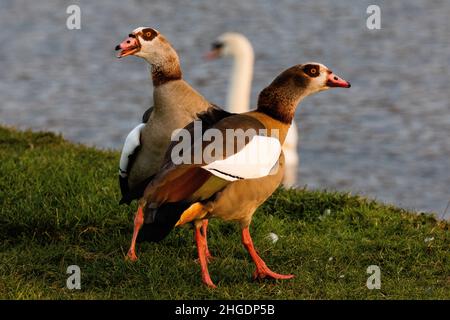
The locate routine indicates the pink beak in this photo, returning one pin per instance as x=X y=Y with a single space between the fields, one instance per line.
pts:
x=334 y=81
x=128 y=46
x=211 y=55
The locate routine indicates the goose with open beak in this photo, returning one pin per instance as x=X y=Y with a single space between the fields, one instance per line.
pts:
x=176 y=104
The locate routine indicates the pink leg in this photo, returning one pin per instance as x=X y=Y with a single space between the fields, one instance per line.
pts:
x=201 y=247
x=204 y=231
x=138 y=222
x=262 y=271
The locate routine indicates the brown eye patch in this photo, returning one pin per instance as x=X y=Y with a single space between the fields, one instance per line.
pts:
x=312 y=70
x=148 y=34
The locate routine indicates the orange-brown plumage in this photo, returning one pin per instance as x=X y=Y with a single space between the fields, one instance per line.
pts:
x=200 y=194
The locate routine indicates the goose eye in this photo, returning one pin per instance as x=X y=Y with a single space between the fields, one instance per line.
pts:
x=148 y=34
x=311 y=70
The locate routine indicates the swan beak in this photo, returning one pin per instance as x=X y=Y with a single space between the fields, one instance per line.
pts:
x=129 y=46
x=335 y=81
x=216 y=51
x=211 y=55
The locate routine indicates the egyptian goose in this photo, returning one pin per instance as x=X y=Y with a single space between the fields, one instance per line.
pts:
x=238 y=47
x=229 y=187
x=176 y=104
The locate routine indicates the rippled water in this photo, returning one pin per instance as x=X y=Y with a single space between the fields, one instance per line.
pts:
x=386 y=137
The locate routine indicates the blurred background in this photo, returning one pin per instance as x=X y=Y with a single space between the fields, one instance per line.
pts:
x=388 y=137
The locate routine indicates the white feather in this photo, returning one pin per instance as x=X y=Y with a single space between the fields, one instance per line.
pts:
x=132 y=141
x=255 y=160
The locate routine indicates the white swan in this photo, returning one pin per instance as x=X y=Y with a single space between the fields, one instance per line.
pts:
x=238 y=47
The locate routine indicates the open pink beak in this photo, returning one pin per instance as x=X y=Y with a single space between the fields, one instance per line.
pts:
x=128 y=46
x=334 y=81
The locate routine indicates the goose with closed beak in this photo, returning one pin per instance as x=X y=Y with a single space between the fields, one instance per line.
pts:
x=230 y=185
x=176 y=104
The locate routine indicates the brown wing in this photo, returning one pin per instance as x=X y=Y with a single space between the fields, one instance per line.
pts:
x=179 y=182
x=208 y=118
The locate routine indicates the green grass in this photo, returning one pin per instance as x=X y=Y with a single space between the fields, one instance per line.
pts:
x=58 y=207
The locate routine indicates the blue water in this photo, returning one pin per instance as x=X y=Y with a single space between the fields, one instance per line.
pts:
x=387 y=137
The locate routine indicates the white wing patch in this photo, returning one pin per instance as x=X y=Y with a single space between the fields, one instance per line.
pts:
x=255 y=160
x=132 y=141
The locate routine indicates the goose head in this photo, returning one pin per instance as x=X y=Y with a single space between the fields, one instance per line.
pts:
x=229 y=44
x=309 y=78
x=281 y=97
x=321 y=77
x=147 y=43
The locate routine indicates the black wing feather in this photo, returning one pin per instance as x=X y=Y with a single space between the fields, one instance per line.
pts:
x=147 y=114
x=166 y=217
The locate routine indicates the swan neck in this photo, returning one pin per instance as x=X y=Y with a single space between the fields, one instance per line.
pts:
x=241 y=80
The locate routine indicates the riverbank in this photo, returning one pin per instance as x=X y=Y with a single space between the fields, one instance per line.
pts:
x=59 y=207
